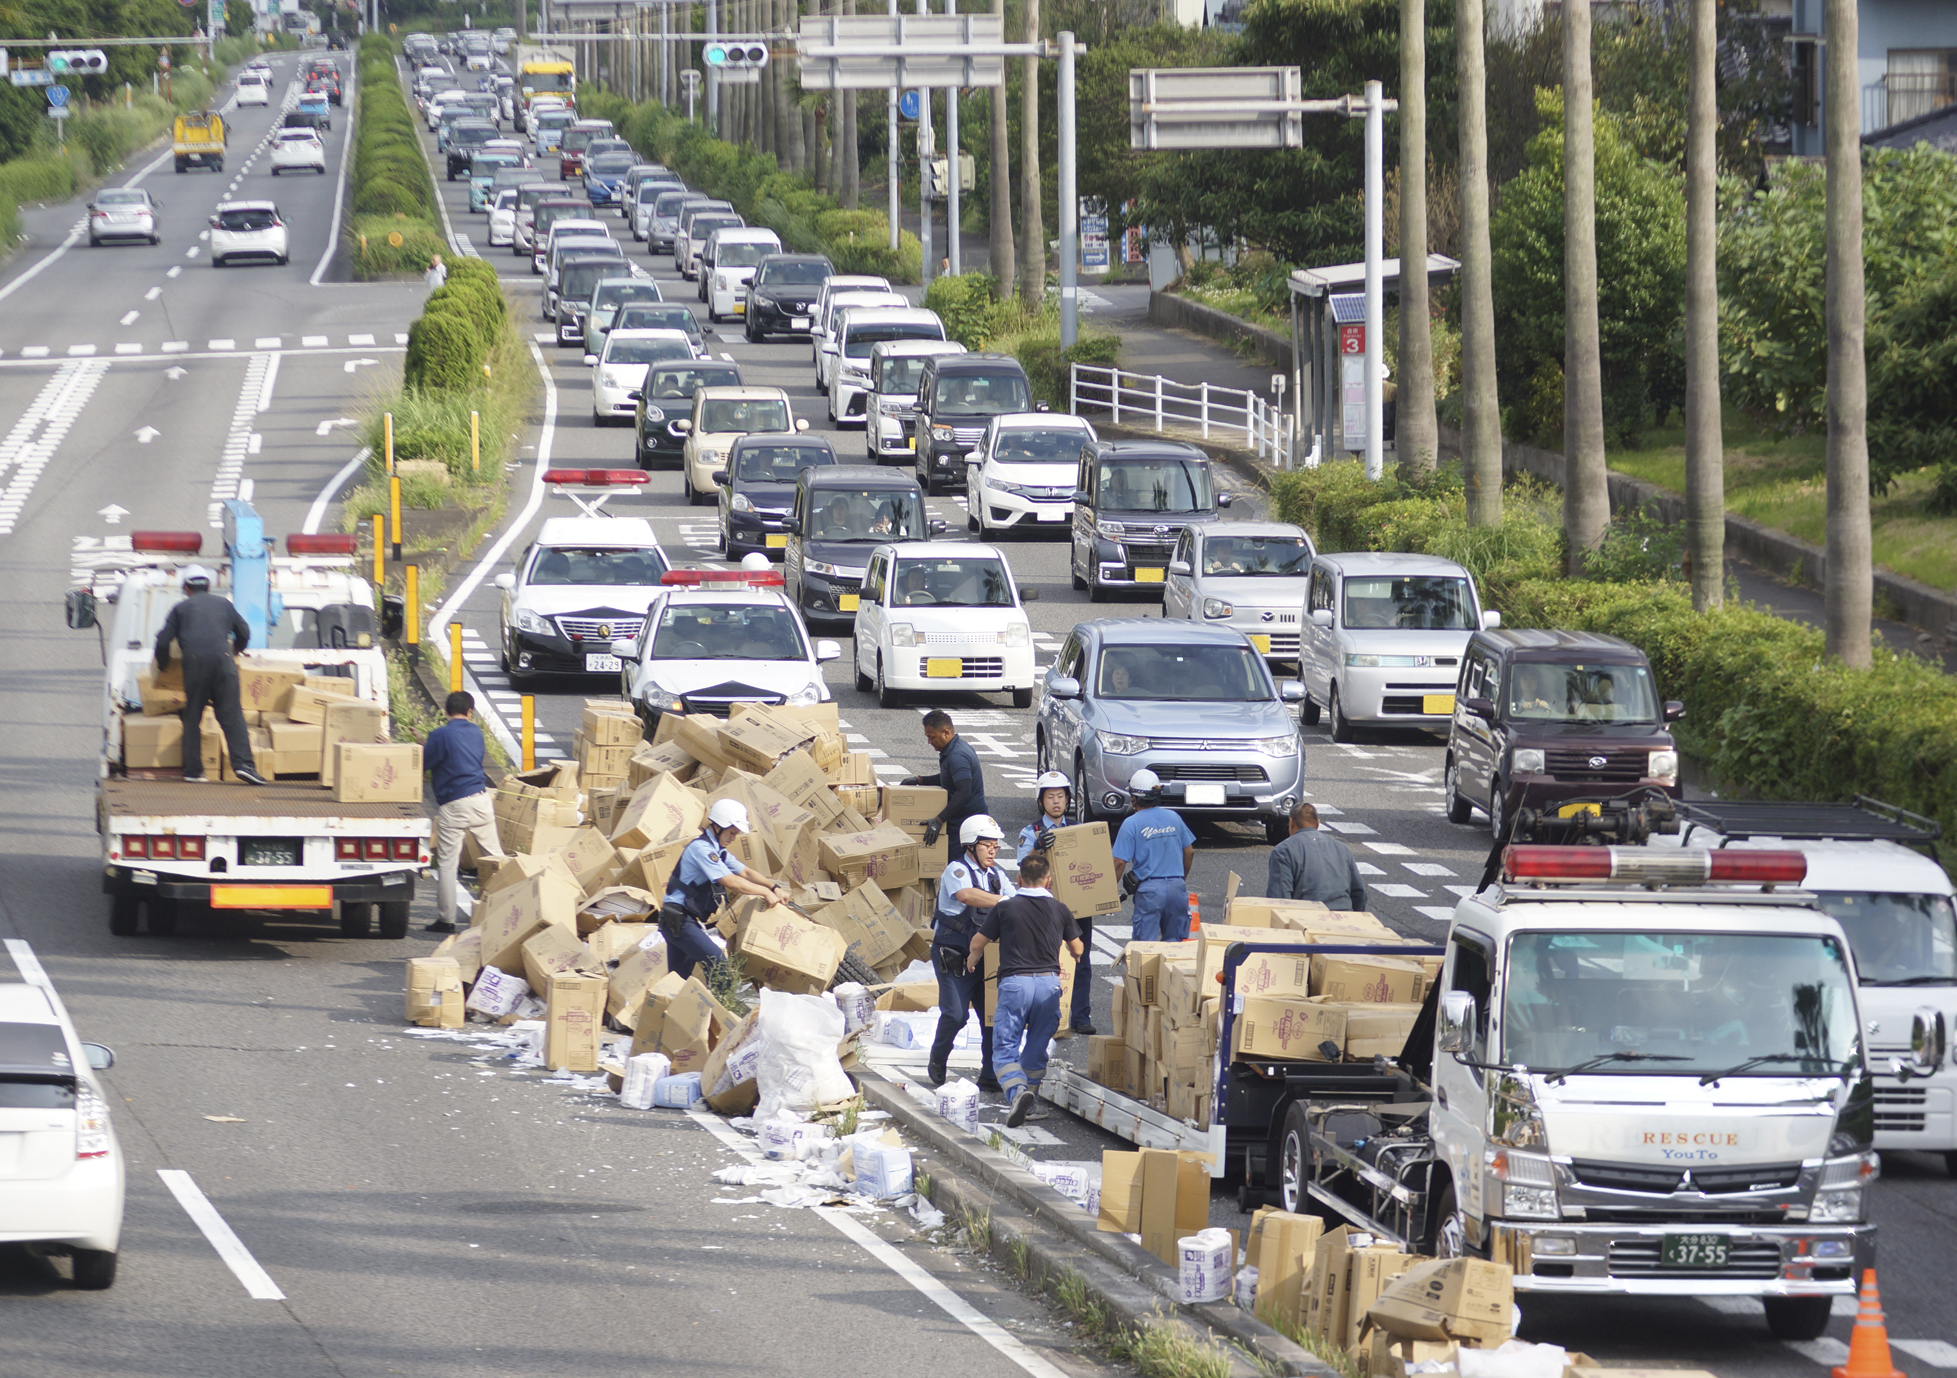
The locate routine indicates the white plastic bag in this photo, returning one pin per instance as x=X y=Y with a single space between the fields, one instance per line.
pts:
x=1514 y=1359
x=798 y=1069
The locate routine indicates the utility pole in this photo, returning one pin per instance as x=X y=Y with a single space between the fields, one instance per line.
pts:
x=1586 y=478
x=1069 y=201
x=952 y=245
x=1417 y=441
x=891 y=126
x=1705 y=459
x=1849 y=596
x=927 y=264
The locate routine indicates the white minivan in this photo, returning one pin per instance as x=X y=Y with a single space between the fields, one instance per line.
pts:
x=727 y=264
x=895 y=367
x=829 y=308
x=857 y=331
x=943 y=617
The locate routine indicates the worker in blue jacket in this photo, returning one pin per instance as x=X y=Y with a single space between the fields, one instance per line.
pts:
x=1156 y=847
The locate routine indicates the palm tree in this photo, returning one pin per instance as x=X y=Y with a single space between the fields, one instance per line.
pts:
x=1705 y=461
x=1417 y=438
x=1586 y=478
x=1481 y=431
x=999 y=227
x=1849 y=591
x=1032 y=246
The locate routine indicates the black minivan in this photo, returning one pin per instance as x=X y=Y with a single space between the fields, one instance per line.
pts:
x=841 y=514
x=757 y=488
x=956 y=395
x=1132 y=500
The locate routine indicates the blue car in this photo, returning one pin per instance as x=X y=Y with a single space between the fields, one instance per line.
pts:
x=604 y=175
x=314 y=103
x=482 y=173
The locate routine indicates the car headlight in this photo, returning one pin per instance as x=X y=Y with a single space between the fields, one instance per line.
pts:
x=806 y=696
x=1018 y=490
x=1122 y=745
x=1276 y=746
x=723 y=283
x=1527 y=1181
x=1017 y=634
x=903 y=634
x=1840 y=1198
x=943 y=434
x=892 y=404
x=1664 y=767
x=92 y=1124
x=655 y=413
x=535 y=625
x=1357 y=661
x=1216 y=607
x=817 y=567
x=1526 y=760
x=1110 y=528
x=660 y=700
x=739 y=503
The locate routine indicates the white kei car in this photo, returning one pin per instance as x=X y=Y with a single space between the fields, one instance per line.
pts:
x=254 y=87
x=247 y=230
x=298 y=150
x=502 y=216
x=1022 y=474
x=619 y=374
x=727 y=265
x=943 y=616
x=62 y=1174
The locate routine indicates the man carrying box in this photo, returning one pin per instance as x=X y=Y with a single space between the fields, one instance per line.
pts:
x=1029 y=929
x=465 y=806
x=1311 y=865
x=209 y=634
x=968 y=888
x=705 y=870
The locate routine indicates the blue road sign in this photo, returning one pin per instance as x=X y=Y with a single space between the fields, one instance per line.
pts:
x=908 y=105
x=57 y=95
x=32 y=76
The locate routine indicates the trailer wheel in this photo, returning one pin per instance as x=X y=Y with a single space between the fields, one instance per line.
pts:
x=394 y=918
x=123 y=915
x=356 y=920
x=1294 y=1159
x=1798 y=1318
x=162 y=918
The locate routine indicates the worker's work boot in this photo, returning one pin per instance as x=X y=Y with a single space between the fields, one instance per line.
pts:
x=935 y=1074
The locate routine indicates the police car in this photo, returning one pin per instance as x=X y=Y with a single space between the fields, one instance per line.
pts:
x=716 y=638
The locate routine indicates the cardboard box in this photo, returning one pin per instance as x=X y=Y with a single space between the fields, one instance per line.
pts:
x=1083 y=877
x=799 y=780
x=867 y=920
x=913 y=997
x=611 y=905
x=592 y=859
x=152 y=743
x=434 y=992
x=660 y=811
x=647 y=1034
x=788 y=952
x=698 y=735
x=501 y=873
x=1286 y=1246
x=157 y=700
x=574 y=1016
x=349 y=720
x=639 y=969
x=651 y=867
x=604 y=725
x=596 y=760
x=1215 y=939
x=512 y=914
x=1375 y=1030
x=265 y=687
x=1369 y=980
x=1289 y=1031
x=466 y=949
x=618 y=940
x=342 y=685
x=666 y=758
x=308 y=704
x=885 y=855
x=688 y=1030
x=741 y=1093
x=295 y=743
x=1254 y=911
x=1442 y=1299
x=1326 y=1282
x=1141 y=963
x=1274 y=976
x=758 y=739
x=367 y=773
x=1134 y=1028
x=1107 y=1062
x=910 y=807
x=553 y=951
x=855 y=770
x=1370 y=1270
x=1156 y=1193
x=1388 y=1356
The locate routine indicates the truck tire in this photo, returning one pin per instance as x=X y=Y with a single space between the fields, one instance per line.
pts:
x=394 y=918
x=123 y=915
x=162 y=918
x=1294 y=1160
x=181 y=166
x=356 y=920
x=1798 y=1318
x=1446 y=1237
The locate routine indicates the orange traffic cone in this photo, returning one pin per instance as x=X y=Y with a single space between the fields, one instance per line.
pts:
x=1868 y=1344
x=1195 y=914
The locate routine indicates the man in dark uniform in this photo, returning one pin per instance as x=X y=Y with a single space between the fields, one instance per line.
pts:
x=209 y=633
x=958 y=775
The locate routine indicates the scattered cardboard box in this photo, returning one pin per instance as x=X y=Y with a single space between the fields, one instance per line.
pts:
x=573 y=1018
x=435 y=992
x=368 y=773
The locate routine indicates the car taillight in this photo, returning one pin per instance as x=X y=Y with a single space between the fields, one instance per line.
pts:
x=91 y=1125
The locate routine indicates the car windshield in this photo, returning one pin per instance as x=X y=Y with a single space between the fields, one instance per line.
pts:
x=488 y=164
x=246 y=220
x=469 y=134
x=960 y=582
x=612 y=165
x=615 y=294
x=122 y=198
x=1711 y=1001
x=1286 y=556
x=1060 y=445
x=1183 y=674
x=668 y=202
x=619 y=351
x=859 y=339
x=1157 y=483
x=983 y=394
x=794 y=274
x=741 y=255
x=729 y=632
x=548 y=215
x=601 y=566
x=656 y=316
x=671 y=384
x=651 y=191
x=704 y=225
x=897 y=375
x=1901 y=939
x=778 y=463
x=1540 y=692
x=1422 y=602
x=878 y=515
x=298 y=136
x=577 y=279
x=721 y=415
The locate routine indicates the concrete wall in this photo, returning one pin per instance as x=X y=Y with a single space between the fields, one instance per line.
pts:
x=1180 y=313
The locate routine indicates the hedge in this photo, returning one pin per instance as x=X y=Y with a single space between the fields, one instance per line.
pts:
x=1768 y=714
x=392 y=190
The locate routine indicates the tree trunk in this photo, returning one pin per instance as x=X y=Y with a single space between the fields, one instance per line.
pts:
x=1032 y=240
x=813 y=163
x=1416 y=440
x=852 y=156
x=837 y=101
x=1849 y=595
x=1586 y=483
x=794 y=150
x=1005 y=265
x=1705 y=460
x=1481 y=429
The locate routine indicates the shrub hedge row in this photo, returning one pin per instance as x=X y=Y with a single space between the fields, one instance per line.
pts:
x=1768 y=714
x=451 y=339
x=392 y=192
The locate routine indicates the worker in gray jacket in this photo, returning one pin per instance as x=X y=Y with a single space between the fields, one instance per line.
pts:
x=1311 y=865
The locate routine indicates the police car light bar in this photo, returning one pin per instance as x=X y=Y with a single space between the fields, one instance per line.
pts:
x=754 y=579
x=1653 y=866
x=167 y=542
x=302 y=544
x=597 y=478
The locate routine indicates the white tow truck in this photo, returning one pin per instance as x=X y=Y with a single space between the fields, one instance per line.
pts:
x=169 y=845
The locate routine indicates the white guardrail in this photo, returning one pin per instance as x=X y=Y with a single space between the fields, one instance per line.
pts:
x=1145 y=399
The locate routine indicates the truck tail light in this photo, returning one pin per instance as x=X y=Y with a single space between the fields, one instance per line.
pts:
x=163 y=847
x=166 y=542
x=376 y=849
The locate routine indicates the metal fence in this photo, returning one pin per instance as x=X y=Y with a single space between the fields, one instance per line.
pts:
x=1147 y=400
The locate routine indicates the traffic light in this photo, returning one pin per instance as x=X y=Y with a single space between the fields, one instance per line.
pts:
x=737 y=56
x=78 y=62
x=940 y=176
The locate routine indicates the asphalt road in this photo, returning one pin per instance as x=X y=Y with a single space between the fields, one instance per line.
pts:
x=421 y=1209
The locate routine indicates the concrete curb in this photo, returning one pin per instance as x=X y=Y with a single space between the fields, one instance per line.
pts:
x=1174 y=312
x=1135 y=1285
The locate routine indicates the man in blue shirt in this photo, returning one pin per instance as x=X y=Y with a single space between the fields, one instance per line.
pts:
x=1157 y=846
x=464 y=804
x=969 y=886
x=706 y=871
x=958 y=774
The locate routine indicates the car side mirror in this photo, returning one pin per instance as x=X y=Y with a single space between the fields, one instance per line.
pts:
x=100 y=1059
x=626 y=647
x=636 y=395
x=1041 y=406
x=1027 y=595
x=81 y=609
x=1457 y=1022
x=1291 y=691
x=1082 y=497
x=505 y=582
x=719 y=476
x=1321 y=617
x=590 y=361
x=1481 y=708
x=801 y=423
x=1490 y=621
x=1064 y=687
x=828 y=650
x=1178 y=566
x=214 y=222
x=1926 y=1043
x=1225 y=499
x=934 y=527
x=1674 y=710
x=394 y=615
x=681 y=428
x=792 y=525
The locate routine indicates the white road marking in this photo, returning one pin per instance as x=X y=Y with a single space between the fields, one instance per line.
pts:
x=339 y=193
x=1366 y=868
x=1400 y=892
x=129 y=318
x=129 y=349
x=147 y=434
x=1389 y=848
x=191 y=252
x=34 y=352
x=112 y=514
x=328 y=427
x=1428 y=868
x=360 y=339
x=1937 y=1353
x=222 y=344
x=258 y=1283
x=312 y=341
x=150 y=295
x=56 y=408
x=252 y=447
x=267 y=342
x=400 y=338
x=231 y=466
x=1353 y=828
x=174 y=271
x=175 y=346
x=271 y=382
x=80 y=351
x=1439 y=913
x=1826 y=1351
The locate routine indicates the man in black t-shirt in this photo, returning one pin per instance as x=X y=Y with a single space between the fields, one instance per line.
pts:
x=1029 y=928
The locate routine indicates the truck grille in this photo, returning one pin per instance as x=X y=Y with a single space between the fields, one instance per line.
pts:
x=1619 y=767
x=1197 y=770
x=961 y=638
x=1900 y=1108
x=1662 y=1181
x=1147 y=551
x=1283 y=646
x=1638 y=1258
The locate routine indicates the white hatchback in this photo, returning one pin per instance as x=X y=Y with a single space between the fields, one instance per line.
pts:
x=254 y=87
x=247 y=230
x=298 y=150
x=1022 y=474
x=61 y=1174
x=942 y=616
x=619 y=375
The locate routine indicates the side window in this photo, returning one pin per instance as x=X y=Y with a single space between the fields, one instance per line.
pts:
x=873 y=581
x=1067 y=663
x=1185 y=546
x=1471 y=973
x=1474 y=671
x=1321 y=589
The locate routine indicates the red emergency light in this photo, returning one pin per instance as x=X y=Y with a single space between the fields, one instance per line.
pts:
x=1655 y=865
x=302 y=544
x=754 y=579
x=167 y=542
x=597 y=478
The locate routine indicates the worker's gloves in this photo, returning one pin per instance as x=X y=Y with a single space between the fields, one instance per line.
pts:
x=1046 y=839
x=931 y=831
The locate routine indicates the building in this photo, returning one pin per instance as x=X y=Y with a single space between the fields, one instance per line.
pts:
x=1906 y=69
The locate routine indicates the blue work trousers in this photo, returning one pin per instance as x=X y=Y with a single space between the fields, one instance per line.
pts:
x=957 y=996
x=1162 y=911
x=1027 y=1019
x=687 y=945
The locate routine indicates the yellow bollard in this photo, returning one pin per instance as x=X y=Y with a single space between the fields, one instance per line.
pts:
x=380 y=554
x=387 y=438
x=394 y=510
x=529 y=732
x=412 y=596
x=475 y=441
x=455 y=657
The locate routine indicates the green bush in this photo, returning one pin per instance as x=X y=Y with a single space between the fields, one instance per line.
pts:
x=444 y=352
x=1034 y=340
x=384 y=196
x=375 y=257
x=482 y=304
x=40 y=178
x=969 y=306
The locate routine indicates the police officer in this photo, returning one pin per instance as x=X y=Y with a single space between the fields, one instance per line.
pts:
x=1157 y=847
x=969 y=886
x=958 y=775
x=209 y=633
x=1055 y=793
x=705 y=872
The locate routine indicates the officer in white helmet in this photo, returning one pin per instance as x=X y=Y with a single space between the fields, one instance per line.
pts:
x=1055 y=793
x=754 y=562
x=707 y=872
x=1155 y=847
x=970 y=885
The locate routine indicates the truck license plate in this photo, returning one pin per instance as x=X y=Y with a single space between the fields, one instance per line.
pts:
x=1695 y=1251
x=602 y=665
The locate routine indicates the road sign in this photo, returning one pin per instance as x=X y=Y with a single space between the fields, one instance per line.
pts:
x=59 y=112
x=875 y=52
x=1216 y=107
x=909 y=103
x=32 y=76
x=57 y=95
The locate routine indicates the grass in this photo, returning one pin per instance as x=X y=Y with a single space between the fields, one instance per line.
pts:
x=1240 y=302
x=1312 y=1343
x=1782 y=482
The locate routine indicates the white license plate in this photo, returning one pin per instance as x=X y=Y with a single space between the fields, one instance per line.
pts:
x=799 y=323
x=1202 y=794
x=602 y=665
x=1054 y=516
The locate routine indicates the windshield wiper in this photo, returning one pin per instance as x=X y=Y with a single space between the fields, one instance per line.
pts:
x=1628 y=1055
x=1710 y=1077
x=1914 y=981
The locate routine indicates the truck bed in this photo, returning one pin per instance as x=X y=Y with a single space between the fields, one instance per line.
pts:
x=123 y=798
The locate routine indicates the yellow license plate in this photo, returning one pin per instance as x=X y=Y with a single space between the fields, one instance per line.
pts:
x=1148 y=576
x=271 y=897
x=1261 y=642
x=1578 y=810
x=740 y=308
x=846 y=602
x=777 y=540
x=1434 y=705
x=938 y=667
x=911 y=443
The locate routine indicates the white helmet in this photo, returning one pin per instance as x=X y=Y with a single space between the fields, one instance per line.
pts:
x=1052 y=779
x=729 y=813
x=754 y=562
x=198 y=574
x=1144 y=782
x=979 y=826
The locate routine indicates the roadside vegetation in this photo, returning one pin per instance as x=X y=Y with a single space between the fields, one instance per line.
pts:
x=394 y=227
x=976 y=316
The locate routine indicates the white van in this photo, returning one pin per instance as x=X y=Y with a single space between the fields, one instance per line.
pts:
x=857 y=330
x=828 y=307
x=727 y=263
x=895 y=367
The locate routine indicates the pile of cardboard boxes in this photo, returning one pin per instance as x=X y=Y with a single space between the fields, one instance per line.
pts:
x=1295 y=1008
x=302 y=727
